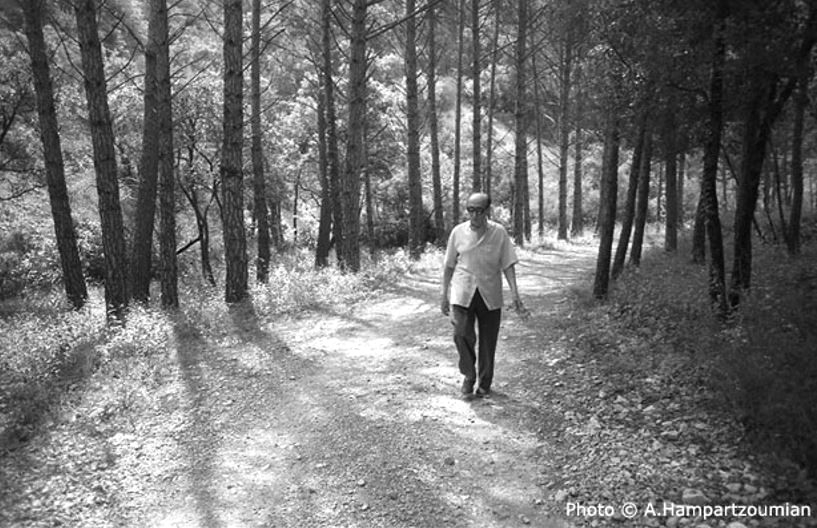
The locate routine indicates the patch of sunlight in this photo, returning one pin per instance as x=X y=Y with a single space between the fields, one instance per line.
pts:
x=440 y=371
x=399 y=308
x=371 y=346
x=511 y=491
x=179 y=517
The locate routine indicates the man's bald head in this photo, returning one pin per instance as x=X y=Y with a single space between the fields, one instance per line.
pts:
x=479 y=199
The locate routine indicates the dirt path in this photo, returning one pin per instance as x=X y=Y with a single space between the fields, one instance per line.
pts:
x=353 y=418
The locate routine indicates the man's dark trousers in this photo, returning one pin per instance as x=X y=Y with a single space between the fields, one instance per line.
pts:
x=465 y=338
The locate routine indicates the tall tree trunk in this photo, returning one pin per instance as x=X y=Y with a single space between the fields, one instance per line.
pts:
x=66 y=236
x=564 y=131
x=682 y=165
x=235 y=242
x=659 y=194
x=455 y=200
x=755 y=138
x=167 y=186
x=332 y=156
x=439 y=218
x=607 y=204
x=699 y=233
x=779 y=199
x=276 y=231
x=415 y=183
x=671 y=175
x=489 y=145
x=766 y=104
x=295 y=203
x=110 y=210
x=708 y=205
x=642 y=201
x=141 y=253
x=202 y=226
x=526 y=198
x=724 y=188
x=577 y=223
x=476 y=137
x=540 y=169
x=354 y=145
x=521 y=152
x=370 y=209
x=259 y=183
x=325 y=217
x=800 y=104
x=629 y=205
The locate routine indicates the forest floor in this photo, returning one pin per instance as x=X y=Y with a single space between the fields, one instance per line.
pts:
x=351 y=416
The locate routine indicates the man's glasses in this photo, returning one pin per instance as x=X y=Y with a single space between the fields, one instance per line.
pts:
x=475 y=210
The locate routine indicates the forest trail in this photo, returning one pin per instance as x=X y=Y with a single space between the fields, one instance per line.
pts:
x=354 y=418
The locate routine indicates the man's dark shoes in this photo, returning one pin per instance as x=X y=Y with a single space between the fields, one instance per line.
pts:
x=467 y=386
x=483 y=392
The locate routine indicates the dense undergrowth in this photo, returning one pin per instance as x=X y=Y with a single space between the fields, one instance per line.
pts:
x=758 y=368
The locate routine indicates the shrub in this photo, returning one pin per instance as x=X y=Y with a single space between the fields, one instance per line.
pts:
x=27 y=259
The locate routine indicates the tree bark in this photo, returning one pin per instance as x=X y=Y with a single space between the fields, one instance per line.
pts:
x=259 y=183
x=415 y=183
x=800 y=104
x=577 y=223
x=540 y=169
x=671 y=175
x=203 y=228
x=332 y=157
x=682 y=165
x=476 y=184
x=168 y=274
x=564 y=131
x=607 y=205
x=325 y=216
x=489 y=142
x=110 y=210
x=455 y=199
x=370 y=207
x=521 y=151
x=755 y=137
x=235 y=243
x=629 y=204
x=354 y=145
x=66 y=236
x=708 y=205
x=141 y=251
x=642 y=201
x=439 y=218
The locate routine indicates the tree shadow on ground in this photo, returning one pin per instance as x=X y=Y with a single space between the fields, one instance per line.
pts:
x=230 y=389
x=191 y=350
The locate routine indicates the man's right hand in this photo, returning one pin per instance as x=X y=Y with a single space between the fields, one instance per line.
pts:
x=445 y=306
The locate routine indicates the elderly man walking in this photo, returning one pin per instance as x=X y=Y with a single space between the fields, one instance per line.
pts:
x=479 y=251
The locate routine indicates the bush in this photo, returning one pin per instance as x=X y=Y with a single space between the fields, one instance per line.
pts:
x=27 y=260
x=29 y=257
x=91 y=253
